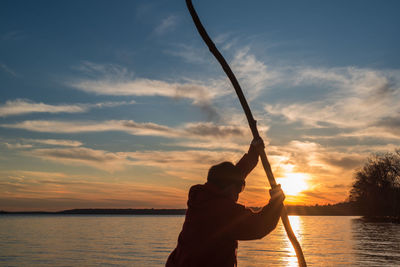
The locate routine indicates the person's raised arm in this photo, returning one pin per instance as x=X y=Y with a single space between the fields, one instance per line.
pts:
x=249 y=160
x=249 y=225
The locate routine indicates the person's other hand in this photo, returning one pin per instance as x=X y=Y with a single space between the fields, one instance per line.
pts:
x=277 y=194
x=258 y=143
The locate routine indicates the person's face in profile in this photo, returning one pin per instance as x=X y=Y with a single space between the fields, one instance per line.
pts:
x=236 y=189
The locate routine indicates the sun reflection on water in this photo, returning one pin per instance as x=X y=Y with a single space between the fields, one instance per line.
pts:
x=296 y=223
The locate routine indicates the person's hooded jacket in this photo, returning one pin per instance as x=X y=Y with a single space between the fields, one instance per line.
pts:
x=214 y=223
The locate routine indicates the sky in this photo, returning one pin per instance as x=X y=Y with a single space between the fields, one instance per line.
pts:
x=119 y=104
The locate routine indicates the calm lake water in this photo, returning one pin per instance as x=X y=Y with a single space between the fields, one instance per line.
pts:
x=147 y=241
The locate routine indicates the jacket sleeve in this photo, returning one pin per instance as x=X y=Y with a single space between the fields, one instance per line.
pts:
x=248 y=162
x=249 y=225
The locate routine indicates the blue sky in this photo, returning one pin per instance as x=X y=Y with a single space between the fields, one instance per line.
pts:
x=120 y=104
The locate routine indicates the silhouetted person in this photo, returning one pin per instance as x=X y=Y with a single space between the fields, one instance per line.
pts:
x=215 y=222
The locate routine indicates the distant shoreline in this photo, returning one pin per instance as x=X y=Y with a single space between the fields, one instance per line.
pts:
x=340 y=209
x=100 y=212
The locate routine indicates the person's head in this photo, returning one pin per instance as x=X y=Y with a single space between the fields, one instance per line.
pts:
x=226 y=177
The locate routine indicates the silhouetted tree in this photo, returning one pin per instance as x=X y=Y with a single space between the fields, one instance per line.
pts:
x=376 y=190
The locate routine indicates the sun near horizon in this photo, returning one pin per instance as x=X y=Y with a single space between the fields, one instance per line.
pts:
x=294 y=183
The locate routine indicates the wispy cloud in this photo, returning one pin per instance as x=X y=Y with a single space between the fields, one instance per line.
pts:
x=210 y=129
x=24 y=106
x=115 y=80
x=99 y=159
x=187 y=158
x=150 y=129
x=107 y=71
x=350 y=98
x=362 y=103
x=254 y=74
x=145 y=87
x=189 y=53
x=188 y=164
x=210 y=144
x=166 y=25
x=344 y=97
x=57 y=142
x=391 y=124
x=7 y=70
x=189 y=130
x=17 y=146
x=317 y=195
x=32 y=143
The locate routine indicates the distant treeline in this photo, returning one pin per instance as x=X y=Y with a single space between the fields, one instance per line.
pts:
x=103 y=212
x=340 y=209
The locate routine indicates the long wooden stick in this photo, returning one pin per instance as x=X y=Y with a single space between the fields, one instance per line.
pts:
x=252 y=123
